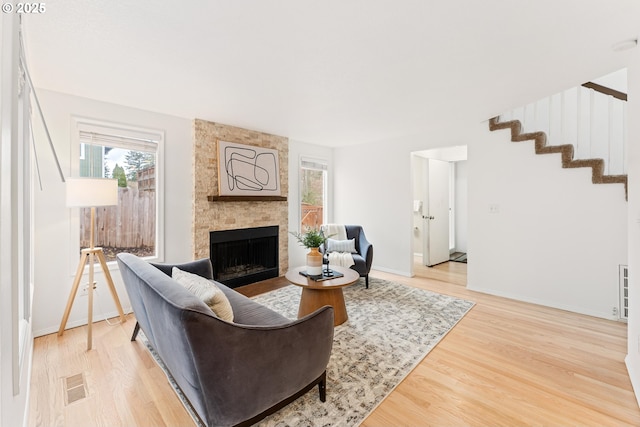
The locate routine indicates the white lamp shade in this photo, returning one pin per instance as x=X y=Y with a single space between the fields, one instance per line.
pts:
x=89 y=192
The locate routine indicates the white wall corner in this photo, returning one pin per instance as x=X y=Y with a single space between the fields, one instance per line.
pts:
x=539 y=245
x=633 y=326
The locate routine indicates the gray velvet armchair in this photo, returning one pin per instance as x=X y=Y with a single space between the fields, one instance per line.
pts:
x=363 y=259
x=232 y=373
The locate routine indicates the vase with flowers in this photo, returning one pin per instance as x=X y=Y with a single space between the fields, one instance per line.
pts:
x=312 y=239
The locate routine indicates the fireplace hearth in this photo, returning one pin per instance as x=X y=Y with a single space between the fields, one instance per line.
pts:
x=245 y=255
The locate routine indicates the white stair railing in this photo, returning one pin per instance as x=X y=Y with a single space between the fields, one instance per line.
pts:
x=593 y=122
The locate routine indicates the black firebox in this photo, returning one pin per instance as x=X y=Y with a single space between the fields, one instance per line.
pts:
x=245 y=255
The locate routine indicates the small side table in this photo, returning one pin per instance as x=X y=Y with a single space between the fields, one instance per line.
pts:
x=316 y=294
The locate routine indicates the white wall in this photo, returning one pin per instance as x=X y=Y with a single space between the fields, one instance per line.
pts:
x=633 y=332
x=54 y=261
x=461 y=206
x=617 y=80
x=560 y=247
x=297 y=149
x=556 y=240
x=373 y=189
x=418 y=181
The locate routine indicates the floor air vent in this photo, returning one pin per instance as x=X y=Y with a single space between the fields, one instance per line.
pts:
x=75 y=388
x=624 y=293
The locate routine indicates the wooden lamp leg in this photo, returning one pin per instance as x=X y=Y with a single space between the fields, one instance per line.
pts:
x=112 y=288
x=90 y=253
x=90 y=304
x=74 y=291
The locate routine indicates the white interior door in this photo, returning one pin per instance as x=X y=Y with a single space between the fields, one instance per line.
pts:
x=436 y=216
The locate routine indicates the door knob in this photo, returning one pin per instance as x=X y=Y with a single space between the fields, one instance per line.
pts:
x=428 y=217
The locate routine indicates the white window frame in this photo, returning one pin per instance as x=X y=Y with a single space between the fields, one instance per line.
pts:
x=86 y=124
x=314 y=163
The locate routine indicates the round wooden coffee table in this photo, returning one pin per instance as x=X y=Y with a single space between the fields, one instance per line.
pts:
x=316 y=294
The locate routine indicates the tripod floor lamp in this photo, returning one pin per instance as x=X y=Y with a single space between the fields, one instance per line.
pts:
x=91 y=192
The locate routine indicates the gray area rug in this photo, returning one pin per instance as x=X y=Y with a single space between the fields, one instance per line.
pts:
x=391 y=328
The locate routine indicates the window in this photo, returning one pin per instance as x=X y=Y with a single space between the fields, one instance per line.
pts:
x=313 y=193
x=132 y=157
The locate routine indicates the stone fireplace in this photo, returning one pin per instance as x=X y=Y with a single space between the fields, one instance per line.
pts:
x=211 y=213
x=243 y=256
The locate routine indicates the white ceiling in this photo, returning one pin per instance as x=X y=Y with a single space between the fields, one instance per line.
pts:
x=329 y=72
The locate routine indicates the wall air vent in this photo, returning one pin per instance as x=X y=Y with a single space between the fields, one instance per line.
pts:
x=623 y=311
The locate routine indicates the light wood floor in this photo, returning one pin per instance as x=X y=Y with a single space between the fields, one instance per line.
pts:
x=506 y=363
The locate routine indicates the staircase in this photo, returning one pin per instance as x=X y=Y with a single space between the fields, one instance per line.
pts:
x=597 y=165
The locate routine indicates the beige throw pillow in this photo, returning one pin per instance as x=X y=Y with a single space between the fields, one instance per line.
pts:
x=207 y=291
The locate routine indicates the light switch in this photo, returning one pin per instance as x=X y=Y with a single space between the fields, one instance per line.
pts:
x=494 y=208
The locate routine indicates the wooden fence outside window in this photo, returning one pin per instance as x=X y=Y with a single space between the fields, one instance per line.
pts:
x=311 y=216
x=130 y=224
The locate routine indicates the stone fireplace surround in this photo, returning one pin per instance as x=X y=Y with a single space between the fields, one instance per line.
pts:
x=228 y=215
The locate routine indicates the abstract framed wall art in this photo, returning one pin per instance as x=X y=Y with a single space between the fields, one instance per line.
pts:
x=246 y=170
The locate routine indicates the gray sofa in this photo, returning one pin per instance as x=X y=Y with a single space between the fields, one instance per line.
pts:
x=231 y=373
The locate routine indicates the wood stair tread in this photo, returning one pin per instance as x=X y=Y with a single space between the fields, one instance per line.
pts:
x=566 y=150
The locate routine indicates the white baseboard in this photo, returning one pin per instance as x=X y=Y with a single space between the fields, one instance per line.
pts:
x=389 y=270
x=544 y=303
x=81 y=322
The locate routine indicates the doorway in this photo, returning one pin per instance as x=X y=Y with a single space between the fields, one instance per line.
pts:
x=439 y=184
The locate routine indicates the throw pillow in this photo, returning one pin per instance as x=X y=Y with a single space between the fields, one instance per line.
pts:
x=207 y=291
x=341 y=245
